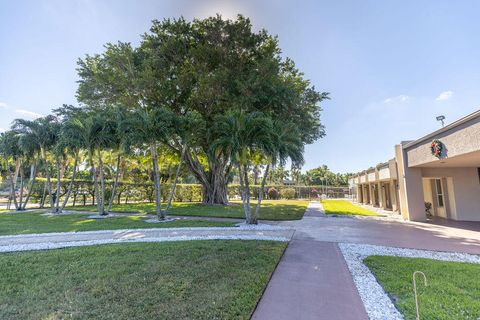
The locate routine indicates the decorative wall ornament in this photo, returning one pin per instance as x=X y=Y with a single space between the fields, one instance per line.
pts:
x=436 y=147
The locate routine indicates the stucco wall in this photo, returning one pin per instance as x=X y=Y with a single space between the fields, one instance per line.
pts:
x=384 y=173
x=465 y=183
x=372 y=176
x=392 y=165
x=459 y=140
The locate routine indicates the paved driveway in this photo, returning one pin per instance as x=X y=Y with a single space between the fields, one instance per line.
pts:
x=389 y=232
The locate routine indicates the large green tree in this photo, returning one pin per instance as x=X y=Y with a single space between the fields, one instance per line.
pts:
x=207 y=67
x=322 y=175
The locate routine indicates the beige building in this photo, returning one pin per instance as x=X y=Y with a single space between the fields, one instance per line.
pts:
x=437 y=175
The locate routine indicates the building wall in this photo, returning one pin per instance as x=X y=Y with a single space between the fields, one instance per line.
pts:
x=409 y=174
x=384 y=173
x=457 y=141
x=412 y=205
x=371 y=176
x=463 y=188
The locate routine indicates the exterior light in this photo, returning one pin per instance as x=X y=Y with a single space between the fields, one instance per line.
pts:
x=441 y=118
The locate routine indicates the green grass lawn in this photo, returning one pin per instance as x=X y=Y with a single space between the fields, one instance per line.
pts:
x=175 y=280
x=270 y=210
x=453 y=290
x=344 y=207
x=33 y=222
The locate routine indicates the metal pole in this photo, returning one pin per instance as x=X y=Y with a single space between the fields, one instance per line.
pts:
x=415 y=289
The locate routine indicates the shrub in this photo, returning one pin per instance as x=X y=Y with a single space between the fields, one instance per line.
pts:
x=314 y=193
x=272 y=193
x=288 y=193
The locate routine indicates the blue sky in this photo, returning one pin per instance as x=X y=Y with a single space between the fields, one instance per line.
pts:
x=390 y=66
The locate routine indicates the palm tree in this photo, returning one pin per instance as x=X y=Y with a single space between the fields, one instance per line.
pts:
x=43 y=132
x=71 y=141
x=117 y=144
x=146 y=129
x=98 y=131
x=287 y=144
x=241 y=135
x=30 y=154
x=9 y=149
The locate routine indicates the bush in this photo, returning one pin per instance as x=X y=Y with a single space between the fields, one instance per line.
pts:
x=272 y=193
x=314 y=193
x=288 y=193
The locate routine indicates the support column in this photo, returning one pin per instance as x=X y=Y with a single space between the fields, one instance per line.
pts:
x=382 y=203
x=359 y=193
x=372 y=195
x=412 y=205
x=393 y=195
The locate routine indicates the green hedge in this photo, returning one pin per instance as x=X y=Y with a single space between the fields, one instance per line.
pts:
x=83 y=192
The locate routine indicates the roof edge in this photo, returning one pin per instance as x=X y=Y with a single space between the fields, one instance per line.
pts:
x=452 y=125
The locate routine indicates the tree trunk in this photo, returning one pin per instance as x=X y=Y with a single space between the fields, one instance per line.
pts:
x=115 y=184
x=172 y=192
x=75 y=193
x=245 y=192
x=13 y=195
x=101 y=199
x=17 y=171
x=214 y=181
x=59 y=184
x=44 y=195
x=119 y=196
x=33 y=176
x=260 y=195
x=156 y=178
x=95 y=181
x=255 y=175
x=69 y=190
x=47 y=174
x=20 y=206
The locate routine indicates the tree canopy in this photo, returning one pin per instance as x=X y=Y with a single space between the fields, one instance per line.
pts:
x=205 y=69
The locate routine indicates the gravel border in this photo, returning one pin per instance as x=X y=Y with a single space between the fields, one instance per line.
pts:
x=98 y=237
x=58 y=245
x=377 y=303
x=258 y=227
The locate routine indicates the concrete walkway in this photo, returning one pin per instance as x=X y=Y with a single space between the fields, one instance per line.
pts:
x=312 y=280
x=449 y=236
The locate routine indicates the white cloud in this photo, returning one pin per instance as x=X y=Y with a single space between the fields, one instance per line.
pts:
x=28 y=113
x=400 y=98
x=3 y=105
x=444 y=95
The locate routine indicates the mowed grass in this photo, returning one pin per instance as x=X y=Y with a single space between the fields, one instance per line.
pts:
x=175 y=280
x=344 y=207
x=33 y=222
x=270 y=209
x=453 y=290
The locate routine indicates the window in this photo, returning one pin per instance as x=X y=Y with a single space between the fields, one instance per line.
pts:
x=438 y=187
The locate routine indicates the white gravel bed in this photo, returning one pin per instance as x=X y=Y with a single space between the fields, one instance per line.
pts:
x=57 y=245
x=258 y=227
x=377 y=303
